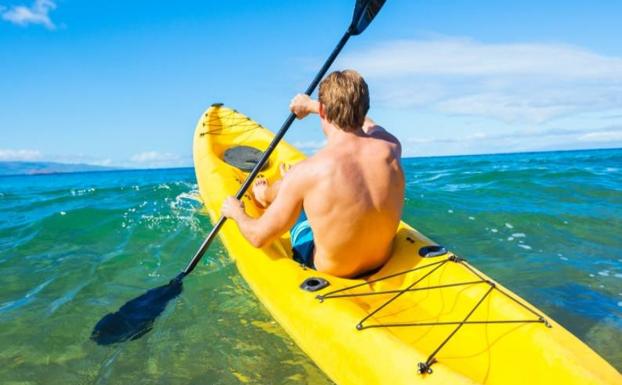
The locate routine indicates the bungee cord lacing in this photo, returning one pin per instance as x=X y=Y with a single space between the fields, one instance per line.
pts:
x=425 y=367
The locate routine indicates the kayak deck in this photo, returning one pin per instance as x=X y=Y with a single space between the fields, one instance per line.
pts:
x=435 y=318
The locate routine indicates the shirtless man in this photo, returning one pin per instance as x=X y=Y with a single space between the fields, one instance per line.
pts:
x=351 y=191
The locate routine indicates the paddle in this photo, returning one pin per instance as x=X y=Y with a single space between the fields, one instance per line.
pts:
x=136 y=317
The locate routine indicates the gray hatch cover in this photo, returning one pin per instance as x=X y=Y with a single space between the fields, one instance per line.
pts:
x=243 y=157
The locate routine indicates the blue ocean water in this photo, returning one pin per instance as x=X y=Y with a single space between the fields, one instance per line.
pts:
x=74 y=247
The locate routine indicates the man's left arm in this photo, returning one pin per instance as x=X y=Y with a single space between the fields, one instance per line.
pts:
x=372 y=129
x=278 y=217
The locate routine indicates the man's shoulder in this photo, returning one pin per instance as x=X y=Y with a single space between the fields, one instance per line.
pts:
x=300 y=171
x=308 y=172
x=316 y=163
x=386 y=140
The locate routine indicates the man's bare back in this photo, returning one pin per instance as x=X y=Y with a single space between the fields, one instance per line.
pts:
x=352 y=192
x=353 y=202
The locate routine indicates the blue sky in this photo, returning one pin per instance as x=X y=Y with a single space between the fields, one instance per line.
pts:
x=123 y=83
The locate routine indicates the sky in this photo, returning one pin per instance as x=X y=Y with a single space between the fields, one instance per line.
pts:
x=123 y=83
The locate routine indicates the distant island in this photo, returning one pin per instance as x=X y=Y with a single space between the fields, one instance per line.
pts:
x=38 y=168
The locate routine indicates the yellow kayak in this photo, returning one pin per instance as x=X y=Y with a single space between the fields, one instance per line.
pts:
x=426 y=316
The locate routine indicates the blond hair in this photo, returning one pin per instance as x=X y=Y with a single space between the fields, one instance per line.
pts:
x=345 y=97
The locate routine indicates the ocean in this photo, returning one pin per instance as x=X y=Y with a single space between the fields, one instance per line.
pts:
x=74 y=247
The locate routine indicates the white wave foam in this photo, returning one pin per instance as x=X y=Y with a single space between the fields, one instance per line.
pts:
x=81 y=192
x=186 y=201
x=436 y=176
x=471 y=172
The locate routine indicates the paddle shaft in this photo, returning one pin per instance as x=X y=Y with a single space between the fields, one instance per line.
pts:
x=266 y=155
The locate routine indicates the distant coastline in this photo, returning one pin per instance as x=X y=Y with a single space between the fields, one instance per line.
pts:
x=46 y=168
x=17 y=168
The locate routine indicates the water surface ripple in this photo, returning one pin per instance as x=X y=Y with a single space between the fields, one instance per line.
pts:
x=74 y=247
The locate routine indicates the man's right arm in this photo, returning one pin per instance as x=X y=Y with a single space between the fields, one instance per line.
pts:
x=302 y=105
x=278 y=217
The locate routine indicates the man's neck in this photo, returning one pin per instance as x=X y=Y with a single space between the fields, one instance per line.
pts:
x=335 y=134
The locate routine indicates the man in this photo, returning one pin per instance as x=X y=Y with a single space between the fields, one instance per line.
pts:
x=351 y=191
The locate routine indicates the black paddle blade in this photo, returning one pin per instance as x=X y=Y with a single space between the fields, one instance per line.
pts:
x=136 y=317
x=364 y=13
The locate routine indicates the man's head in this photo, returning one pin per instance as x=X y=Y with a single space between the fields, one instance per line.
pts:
x=344 y=100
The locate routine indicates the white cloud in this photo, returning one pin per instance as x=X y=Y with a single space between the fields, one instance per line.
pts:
x=147 y=159
x=102 y=162
x=512 y=82
x=153 y=156
x=37 y=13
x=19 y=155
x=28 y=155
x=79 y=159
x=152 y=159
x=606 y=136
x=461 y=56
x=310 y=144
x=515 y=141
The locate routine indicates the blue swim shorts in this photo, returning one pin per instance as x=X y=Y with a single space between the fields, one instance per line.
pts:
x=302 y=241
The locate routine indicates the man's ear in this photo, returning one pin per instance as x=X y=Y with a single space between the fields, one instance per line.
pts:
x=322 y=112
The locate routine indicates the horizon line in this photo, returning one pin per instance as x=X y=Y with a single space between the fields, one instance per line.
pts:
x=131 y=169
